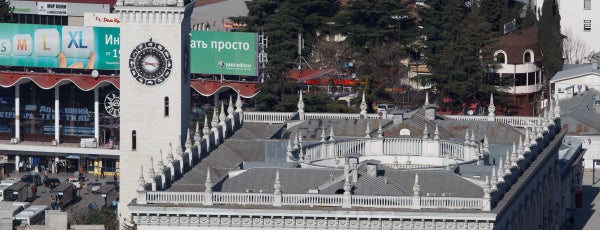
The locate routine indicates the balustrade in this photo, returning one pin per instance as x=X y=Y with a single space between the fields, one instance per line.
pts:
x=403 y=146
x=268 y=117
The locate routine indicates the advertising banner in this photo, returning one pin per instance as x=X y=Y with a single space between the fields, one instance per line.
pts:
x=59 y=46
x=52 y=8
x=228 y=53
x=101 y=19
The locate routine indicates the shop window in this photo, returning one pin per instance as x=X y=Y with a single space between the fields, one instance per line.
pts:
x=166 y=106
x=133 y=140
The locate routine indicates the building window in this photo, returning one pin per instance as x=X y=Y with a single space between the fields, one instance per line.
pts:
x=133 y=140
x=166 y=106
x=587 y=25
x=587 y=4
x=527 y=57
x=501 y=58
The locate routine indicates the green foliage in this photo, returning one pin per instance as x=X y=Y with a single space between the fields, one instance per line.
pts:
x=499 y=12
x=282 y=21
x=277 y=94
x=550 y=38
x=106 y=217
x=456 y=35
x=529 y=19
x=5 y=11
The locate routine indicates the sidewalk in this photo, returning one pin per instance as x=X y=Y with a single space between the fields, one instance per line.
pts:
x=587 y=217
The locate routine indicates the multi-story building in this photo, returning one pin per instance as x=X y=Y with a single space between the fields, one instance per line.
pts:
x=517 y=57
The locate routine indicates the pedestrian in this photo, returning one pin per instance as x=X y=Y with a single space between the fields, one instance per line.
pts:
x=20 y=166
x=102 y=172
x=115 y=176
x=33 y=191
x=53 y=202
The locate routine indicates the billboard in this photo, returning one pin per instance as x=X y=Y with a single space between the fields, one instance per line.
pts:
x=229 y=53
x=59 y=46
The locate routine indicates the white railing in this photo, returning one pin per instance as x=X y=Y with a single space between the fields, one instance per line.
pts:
x=516 y=121
x=311 y=200
x=402 y=146
x=267 y=117
x=382 y=201
x=519 y=121
x=242 y=198
x=331 y=116
x=161 y=197
x=452 y=150
x=348 y=147
x=451 y=202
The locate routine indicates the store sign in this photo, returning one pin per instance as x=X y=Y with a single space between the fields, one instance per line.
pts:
x=59 y=46
x=73 y=156
x=52 y=8
x=19 y=10
x=101 y=19
x=230 y=53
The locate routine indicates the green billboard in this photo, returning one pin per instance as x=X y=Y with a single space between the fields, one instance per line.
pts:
x=59 y=46
x=229 y=53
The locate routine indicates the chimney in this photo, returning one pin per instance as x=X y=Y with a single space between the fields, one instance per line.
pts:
x=372 y=170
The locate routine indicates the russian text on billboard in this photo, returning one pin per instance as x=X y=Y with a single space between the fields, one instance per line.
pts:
x=59 y=46
x=229 y=53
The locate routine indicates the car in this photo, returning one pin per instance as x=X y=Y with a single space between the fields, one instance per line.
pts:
x=75 y=181
x=93 y=187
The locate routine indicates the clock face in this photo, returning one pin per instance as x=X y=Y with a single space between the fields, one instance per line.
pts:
x=150 y=63
x=112 y=104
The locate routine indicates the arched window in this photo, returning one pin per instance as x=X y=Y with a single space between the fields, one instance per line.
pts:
x=500 y=57
x=528 y=56
x=133 y=140
x=166 y=106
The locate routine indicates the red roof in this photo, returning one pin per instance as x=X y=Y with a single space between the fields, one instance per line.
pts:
x=87 y=83
x=305 y=74
x=516 y=43
x=48 y=81
x=210 y=87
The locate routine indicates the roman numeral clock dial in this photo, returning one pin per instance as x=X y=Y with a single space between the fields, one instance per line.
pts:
x=150 y=63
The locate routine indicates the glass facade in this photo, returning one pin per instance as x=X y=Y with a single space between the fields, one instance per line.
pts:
x=37 y=113
x=7 y=112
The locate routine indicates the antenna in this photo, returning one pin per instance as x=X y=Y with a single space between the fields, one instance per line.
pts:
x=300 y=57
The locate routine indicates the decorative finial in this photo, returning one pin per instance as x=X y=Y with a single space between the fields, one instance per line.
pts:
x=436 y=133
x=230 y=109
x=208 y=181
x=222 y=115
x=238 y=103
x=425 y=133
x=416 y=186
x=491 y=108
x=426 y=98
x=379 y=131
x=205 y=130
x=363 y=106
x=323 y=135
x=277 y=184
x=331 y=136
x=368 y=130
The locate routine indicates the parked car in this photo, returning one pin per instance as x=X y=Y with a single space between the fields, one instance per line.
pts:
x=75 y=181
x=93 y=187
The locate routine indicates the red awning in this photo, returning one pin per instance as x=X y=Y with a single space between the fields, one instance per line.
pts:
x=87 y=83
x=306 y=74
x=49 y=81
x=210 y=87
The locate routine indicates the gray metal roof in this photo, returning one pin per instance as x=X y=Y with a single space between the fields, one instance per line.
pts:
x=580 y=109
x=583 y=69
x=216 y=12
x=257 y=131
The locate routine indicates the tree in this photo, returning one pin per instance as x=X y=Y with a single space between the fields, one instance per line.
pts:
x=550 y=38
x=5 y=11
x=573 y=48
x=456 y=35
x=282 y=20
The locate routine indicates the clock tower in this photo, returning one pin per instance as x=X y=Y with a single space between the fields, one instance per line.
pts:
x=154 y=85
